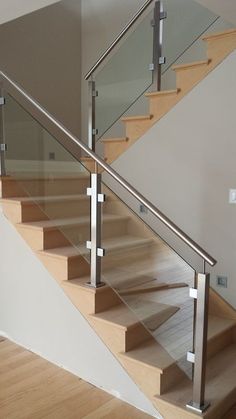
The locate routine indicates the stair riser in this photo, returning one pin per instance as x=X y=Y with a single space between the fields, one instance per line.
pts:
x=152 y=380
x=91 y=302
x=159 y=106
x=113 y=150
x=219 y=48
x=186 y=79
x=44 y=187
x=119 y=339
x=65 y=269
x=220 y=342
x=17 y=213
x=135 y=129
x=48 y=239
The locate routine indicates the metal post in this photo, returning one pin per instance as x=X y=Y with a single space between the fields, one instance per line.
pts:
x=2 y=136
x=96 y=224
x=158 y=59
x=199 y=358
x=92 y=115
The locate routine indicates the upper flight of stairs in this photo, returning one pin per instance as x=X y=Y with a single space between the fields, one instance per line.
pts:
x=51 y=214
x=219 y=46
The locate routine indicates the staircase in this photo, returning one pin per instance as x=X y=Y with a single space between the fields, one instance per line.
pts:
x=137 y=297
x=218 y=46
x=146 y=285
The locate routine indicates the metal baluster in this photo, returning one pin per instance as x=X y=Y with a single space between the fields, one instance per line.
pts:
x=97 y=198
x=92 y=132
x=199 y=357
x=2 y=136
x=158 y=59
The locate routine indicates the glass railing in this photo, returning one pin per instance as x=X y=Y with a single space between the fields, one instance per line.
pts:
x=151 y=280
x=125 y=75
x=61 y=205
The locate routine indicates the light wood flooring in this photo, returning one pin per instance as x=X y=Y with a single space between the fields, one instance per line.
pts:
x=32 y=388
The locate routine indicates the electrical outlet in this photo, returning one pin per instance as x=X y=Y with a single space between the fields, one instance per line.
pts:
x=222 y=281
x=232 y=196
x=143 y=209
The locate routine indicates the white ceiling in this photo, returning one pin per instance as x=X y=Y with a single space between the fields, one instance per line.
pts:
x=11 y=9
x=225 y=8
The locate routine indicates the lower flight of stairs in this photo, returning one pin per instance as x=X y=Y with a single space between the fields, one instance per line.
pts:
x=52 y=215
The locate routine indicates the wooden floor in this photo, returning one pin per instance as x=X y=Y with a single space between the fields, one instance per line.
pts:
x=231 y=414
x=32 y=388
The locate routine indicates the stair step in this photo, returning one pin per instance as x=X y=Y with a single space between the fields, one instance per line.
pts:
x=110 y=246
x=152 y=366
x=44 y=199
x=90 y=300
x=120 y=328
x=187 y=66
x=47 y=234
x=137 y=118
x=48 y=225
x=220 y=389
x=64 y=262
x=115 y=140
x=218 y=35
x=39 y=185
x=163 y=93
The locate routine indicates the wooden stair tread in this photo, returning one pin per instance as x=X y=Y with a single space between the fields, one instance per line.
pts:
x=221 y=34
x=220 y=383
x=218 y=325
x=122 y=242
x=68 y=222
x=115 y=140
x=190 y=65
x=152 y=354
x=45 y=177
x=163 y=93
x=124 y=317
x=137 y=118
x=44 y=199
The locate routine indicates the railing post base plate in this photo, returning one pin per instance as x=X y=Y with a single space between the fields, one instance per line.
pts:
x=196 y=408
x=89 y=285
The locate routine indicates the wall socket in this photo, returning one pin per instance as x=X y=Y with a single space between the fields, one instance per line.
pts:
x=222 y=281
x=232 y=196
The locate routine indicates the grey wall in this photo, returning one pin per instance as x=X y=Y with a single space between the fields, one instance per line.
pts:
x=102 y=21
x=226 y=8
x=185 y=165
x=42 y=52
x=35 y=313
x=12 y=9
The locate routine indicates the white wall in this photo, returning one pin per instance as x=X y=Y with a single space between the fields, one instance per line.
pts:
x=35 y=313
x=185 y=165
x=12 y=9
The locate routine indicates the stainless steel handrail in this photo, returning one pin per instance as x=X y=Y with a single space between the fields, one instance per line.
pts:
x=71 y=143
x=119 y=37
